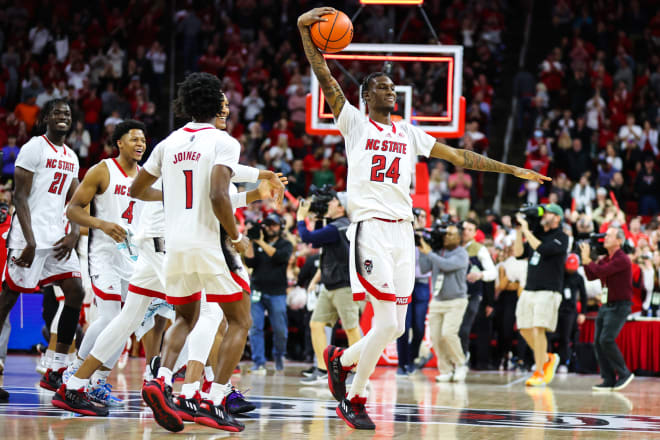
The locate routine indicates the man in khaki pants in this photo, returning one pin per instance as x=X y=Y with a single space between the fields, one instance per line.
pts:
x=449 y=286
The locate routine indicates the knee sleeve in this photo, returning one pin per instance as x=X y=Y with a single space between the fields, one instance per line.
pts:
x=56 y=319
x=68 y=322
x=200 y=340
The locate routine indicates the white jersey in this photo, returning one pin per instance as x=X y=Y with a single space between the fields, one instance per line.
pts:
x=152 y=219
x=381 y=160
x=117 y=206
x=185 y=160
x=54 y=169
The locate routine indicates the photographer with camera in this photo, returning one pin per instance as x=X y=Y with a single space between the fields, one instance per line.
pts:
x=449 y=262
x=268 y=256
x=615 y=271
x=335 y=300
x=538 y=305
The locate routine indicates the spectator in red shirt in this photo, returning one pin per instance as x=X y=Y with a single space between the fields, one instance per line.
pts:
x=460 y=184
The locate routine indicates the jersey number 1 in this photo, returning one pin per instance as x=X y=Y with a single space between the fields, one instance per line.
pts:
x=189 y=188
x=378 y=164
x=58 y=183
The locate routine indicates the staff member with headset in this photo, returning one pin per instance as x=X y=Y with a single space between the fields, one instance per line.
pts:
x=538 y=305
x=615 y=271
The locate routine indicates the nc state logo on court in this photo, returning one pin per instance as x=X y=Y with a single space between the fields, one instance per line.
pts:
x=368 y=265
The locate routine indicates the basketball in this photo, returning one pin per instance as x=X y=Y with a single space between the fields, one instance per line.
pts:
x=332 y=35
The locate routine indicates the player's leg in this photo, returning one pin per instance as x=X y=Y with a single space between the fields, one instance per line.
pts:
x=153 y=339
x=239 y=322
x=8 y=299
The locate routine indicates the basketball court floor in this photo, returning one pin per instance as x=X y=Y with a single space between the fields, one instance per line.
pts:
x=490 y=405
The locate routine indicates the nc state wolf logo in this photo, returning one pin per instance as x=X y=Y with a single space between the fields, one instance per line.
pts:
x=368 y=265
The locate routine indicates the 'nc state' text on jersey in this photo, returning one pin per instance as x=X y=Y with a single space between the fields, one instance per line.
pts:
x=186 y=155
x=122 y=190
x=391 y=146
x=60 y=164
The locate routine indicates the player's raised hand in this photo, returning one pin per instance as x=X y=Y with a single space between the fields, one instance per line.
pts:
x=312 y=16
x=26 y=257
x=526 y=174
x=64 y=246
x=273 y=188
x=114 y=231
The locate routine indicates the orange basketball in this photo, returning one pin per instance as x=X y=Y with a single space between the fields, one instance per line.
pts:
x=332 y=35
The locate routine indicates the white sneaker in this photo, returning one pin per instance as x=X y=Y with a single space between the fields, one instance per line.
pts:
x=41 y=365
x=563 y=369
x=260 y=370
x=460 y=374
x=444 y=377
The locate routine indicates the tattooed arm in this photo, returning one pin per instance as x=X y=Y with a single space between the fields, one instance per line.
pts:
x=475 y=161
x=331 y=89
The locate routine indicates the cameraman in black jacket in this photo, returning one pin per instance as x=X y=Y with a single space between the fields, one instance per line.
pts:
x=538 y=305
x=335 y=299
x=268 y=256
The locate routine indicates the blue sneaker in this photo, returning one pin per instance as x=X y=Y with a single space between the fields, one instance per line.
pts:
x=235 y=402
x=100 y=392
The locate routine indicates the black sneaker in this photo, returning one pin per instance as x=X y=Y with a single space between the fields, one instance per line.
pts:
x=158 y=397
x=217 y=417
x=308 y=372
x=77 y=401
x=602 y=387
x=187 y=408
x=52 y=380
x=623 y=382
x=4 y=396
x=354 y=413
x=235 y=402
x=336 y=372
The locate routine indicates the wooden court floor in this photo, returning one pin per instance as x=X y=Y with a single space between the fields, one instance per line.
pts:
x=490 y=405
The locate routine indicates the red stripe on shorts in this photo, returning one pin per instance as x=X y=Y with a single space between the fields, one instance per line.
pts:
x=105 y=296
x=359 y=296
x=240 y=281
x=176 y=300
x=59 y=277
x=225 y=298
x=15 y=287
x=145 y=292
x=375 y=292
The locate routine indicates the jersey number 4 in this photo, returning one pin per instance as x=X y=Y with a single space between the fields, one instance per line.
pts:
x=128 y=214
x=58 y=183
x=378 y=164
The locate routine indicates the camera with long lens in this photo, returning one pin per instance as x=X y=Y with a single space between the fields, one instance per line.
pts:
x=321 y=197
x=253 y=229
x=532 y=213
x=435 y=235
x=594 y=240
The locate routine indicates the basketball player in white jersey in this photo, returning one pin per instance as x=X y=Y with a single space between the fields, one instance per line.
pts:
x=112 y=221
x=196 y=164
x=381 y=156
x=39 y=251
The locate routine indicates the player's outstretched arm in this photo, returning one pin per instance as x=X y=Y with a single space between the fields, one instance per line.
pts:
x=96 y=181
x=141 y=187
x=475 y=161
x=331 y=89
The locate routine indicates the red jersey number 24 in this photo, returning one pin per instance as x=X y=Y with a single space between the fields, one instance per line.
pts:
x=379 y=163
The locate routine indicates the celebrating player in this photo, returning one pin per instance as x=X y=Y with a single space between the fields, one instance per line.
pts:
x=40 y=252
x=381 y=155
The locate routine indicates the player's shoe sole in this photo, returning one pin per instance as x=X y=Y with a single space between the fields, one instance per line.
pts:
x=74 y=401
x=164 y=414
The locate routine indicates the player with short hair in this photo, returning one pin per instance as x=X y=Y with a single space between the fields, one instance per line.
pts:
x=40 y=251
x=196 y=164
x=381 y=156
x=112 y=221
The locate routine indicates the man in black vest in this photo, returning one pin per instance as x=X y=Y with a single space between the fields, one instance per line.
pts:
x=335 y=299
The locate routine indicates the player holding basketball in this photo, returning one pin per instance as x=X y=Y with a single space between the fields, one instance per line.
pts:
x=39 y=249
x=112 y=222
x=382 y=260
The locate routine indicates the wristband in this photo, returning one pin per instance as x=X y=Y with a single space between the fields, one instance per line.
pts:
x=240 y=237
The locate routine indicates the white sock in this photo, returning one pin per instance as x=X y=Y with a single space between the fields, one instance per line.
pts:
x=218 y=392
x=188 y=390
x=48 y=360
x=208 y=374
x=100 y=376
x=58 y=361
x=166 y=374
x=77 y=362
x=71 y=358
x=76 y=383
